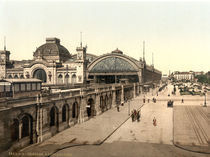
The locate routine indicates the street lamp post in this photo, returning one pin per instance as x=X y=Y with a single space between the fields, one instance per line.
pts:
x=205 y=99
x=129 y=107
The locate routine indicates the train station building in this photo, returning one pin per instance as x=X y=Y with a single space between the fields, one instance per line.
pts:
x=105 y=82
x=55 y=65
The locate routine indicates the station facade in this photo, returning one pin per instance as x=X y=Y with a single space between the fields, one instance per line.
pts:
x=54 y=65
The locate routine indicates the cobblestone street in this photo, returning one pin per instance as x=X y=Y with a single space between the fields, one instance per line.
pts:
x=145 y=131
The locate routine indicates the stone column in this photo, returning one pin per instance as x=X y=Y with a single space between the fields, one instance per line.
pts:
x=83 y=114
x=20 y=129
x=97 y=102
x=137 y=89
x=113 y=96
x=63 y=78
x=70 y=75
x=134 y=90
x=41 y=123
x=54 y=73
x=38 y=118
x=59 y=119
x=80 y=116
x=82 y=108
x=95 y=79
x=122 y=94
x=141 y=89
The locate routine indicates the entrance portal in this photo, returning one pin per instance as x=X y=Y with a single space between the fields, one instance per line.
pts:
x=90 y=107
x=75 y=110
x=15 y=130
x=54 y=121
x=40 y=74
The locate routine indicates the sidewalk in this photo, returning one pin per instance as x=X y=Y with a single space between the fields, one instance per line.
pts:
x=94 y=131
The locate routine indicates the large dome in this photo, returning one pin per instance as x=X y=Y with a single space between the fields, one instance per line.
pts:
x=52 y=51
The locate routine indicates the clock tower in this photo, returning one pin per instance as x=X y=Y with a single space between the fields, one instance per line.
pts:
x=81 y=64
x=4 y=61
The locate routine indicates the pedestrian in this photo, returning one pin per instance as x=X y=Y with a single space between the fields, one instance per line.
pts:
x=154 y=121
x=144 y=100
x=132 y=116
x=182 y=100
x=135 y=114
x=138 y=116
x=118 y=108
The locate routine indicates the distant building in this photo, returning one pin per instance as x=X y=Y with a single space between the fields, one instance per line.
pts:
x=191 y=75
x=198 y=73
x=183 y=75
x=164 y=78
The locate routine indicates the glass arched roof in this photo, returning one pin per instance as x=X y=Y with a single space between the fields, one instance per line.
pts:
x=112 y=65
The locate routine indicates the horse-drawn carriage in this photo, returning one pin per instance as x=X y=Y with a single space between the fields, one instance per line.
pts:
x=170 y=103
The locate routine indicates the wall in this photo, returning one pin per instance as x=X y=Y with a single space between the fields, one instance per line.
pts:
x=39 y=111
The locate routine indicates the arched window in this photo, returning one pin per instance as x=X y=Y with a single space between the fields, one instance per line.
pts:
x=73 y=79
x=64 y=113
x=90 y=107
x=10 y=76
x=52 y=116
x=66 y=79
x=25 y=126
x=40 y=74
x=75 y=110
x=21 y=76
x=60 y=79
x=16 y=77
x=15 y=130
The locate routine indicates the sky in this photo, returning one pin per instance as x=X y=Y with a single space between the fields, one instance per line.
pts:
x=176 y=32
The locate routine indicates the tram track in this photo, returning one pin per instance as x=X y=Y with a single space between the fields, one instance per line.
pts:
x=200 y=125
x=193 y=125
x=203 y=114
x=200 y=133
x=178 y=99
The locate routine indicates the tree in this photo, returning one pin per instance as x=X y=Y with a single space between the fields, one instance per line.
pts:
x=203 y=79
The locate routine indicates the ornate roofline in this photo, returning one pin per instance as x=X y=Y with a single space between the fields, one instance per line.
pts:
x=38 y=62
x=129 y=59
